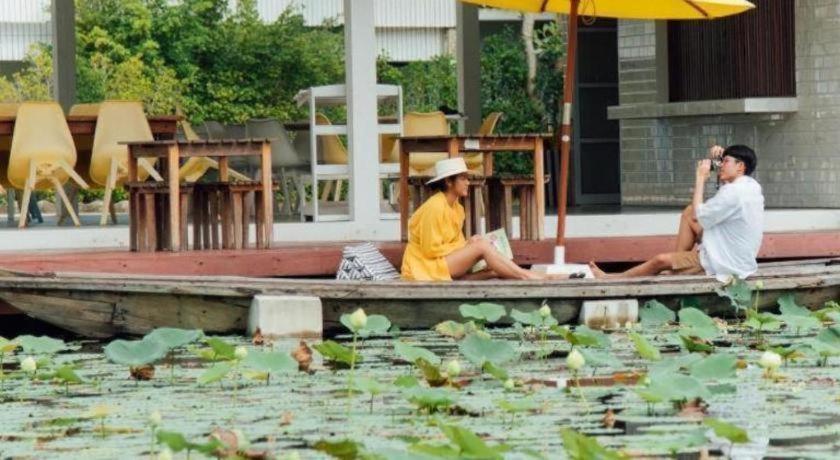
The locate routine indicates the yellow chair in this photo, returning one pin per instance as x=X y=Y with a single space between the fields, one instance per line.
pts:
x=116 y=122
x=425 y=124
x=42 y=154
x=6 y=110
x=196 y=167
x=332 y=152
x=475 y=161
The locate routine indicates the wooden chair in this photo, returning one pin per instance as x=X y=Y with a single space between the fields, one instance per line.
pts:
x=42 y=154
x=524 y=187
x=223 y=209
x=149 y=208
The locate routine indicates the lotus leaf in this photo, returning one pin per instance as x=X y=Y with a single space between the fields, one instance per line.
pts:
x=738 y=292
x=469 y=444
x=654 y=313
x=221 y=349
x=271 y=361
x=376 y=325
x=343 y=450
x=452 y=329
x=694 y=322
x=412 y=353
x=216 y=373
x=175 y=337
x=336 y=352
x=135 y=352
x=479 y=350
x=726 y=430
x=40 y=345
x=431 y=399
x=581 y=447
x=715 y=367
x=644 y=348
x=485 y=311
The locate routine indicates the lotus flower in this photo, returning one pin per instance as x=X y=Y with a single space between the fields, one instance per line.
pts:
x=29 y=365
x=453 y=368
x=575 y=360
x=358 y=319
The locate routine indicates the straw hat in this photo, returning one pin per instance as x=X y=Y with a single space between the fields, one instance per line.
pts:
x=447 y=168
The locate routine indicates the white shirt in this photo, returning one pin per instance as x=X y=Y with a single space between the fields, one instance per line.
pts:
x=733 y=223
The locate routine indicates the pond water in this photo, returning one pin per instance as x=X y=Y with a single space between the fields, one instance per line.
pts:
x=793 y=413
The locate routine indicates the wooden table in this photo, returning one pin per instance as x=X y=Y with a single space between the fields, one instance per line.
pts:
x=221 y=150
x=457 y=145
x=162 y=126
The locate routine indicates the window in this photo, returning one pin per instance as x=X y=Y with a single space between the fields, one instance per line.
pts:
x=747 y=55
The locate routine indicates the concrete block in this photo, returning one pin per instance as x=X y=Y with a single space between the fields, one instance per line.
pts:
x=286 y=316
x=609 y=313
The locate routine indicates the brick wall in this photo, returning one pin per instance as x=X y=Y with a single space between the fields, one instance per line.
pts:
x=799 y=153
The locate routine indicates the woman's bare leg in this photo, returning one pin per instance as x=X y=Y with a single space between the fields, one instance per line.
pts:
x=480 y=276
x=460 y=261
x=690 y=231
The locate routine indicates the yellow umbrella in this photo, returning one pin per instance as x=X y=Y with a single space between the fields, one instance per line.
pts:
x=622 y=9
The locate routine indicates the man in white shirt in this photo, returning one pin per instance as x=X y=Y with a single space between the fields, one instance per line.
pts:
x=720 y=237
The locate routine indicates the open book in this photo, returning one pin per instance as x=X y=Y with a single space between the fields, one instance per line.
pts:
x=498 y=238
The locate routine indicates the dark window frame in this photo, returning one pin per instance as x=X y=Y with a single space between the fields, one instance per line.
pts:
x=743 y=56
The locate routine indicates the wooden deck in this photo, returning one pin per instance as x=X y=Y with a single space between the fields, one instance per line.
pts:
x=107 y=304
x=321 y=259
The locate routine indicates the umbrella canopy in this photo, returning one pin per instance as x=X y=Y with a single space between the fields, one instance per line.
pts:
x=628 y=9
x=622 y=9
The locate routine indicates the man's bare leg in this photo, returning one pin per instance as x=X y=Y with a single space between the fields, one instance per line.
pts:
x=651 y=267
x=690 y=231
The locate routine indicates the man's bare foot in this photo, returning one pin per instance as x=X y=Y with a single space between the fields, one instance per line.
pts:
x=596 y=271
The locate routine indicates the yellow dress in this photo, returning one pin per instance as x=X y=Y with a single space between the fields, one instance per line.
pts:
x=434 y=231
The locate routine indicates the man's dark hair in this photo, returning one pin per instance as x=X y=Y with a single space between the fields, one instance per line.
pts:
x=743 y=154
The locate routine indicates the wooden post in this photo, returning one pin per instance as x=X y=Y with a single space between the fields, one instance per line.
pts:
x=539 y=188
x=224 y=170
x=213 y=219
x=149 y=219
x=565 y=132
x=268 y=193
x=404 y=157
x=453 y=147
x=174 y=198
x=199 y=207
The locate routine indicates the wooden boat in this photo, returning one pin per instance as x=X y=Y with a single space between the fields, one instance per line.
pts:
x=104 y=305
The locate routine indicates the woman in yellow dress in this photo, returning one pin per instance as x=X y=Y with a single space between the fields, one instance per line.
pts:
x=437 y=249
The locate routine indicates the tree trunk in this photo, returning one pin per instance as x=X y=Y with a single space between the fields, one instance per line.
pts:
x=528 y=20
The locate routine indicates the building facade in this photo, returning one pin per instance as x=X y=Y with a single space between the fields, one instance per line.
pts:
x=794 y=127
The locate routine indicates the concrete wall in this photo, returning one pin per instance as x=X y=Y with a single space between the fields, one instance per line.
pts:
x=799 y=152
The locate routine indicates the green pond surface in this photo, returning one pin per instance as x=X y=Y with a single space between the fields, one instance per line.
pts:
x=794 y=414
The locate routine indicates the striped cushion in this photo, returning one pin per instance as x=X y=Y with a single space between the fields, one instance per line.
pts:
x=365 y=262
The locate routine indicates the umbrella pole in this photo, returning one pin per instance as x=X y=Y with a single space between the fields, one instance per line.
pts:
x=565 y=134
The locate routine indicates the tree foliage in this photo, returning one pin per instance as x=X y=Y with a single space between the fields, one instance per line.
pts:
x=218 y=63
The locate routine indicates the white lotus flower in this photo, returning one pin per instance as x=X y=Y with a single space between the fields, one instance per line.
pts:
x=165 y=454
x=453 y=368
x=358 y=319
x=575 y=360
x=240 y=352
x=155 y=418
x=759 y=284
x=509 y=384
x=770 y=360
x=545 y=311
x=28 y=365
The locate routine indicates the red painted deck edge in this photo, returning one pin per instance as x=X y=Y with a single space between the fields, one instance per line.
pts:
x=321 y=259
